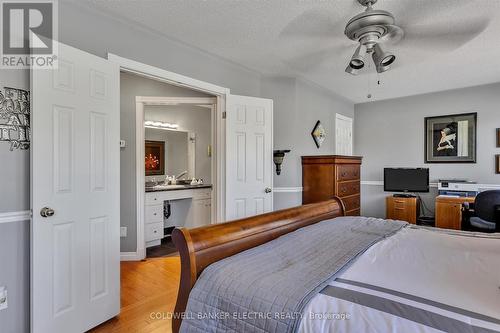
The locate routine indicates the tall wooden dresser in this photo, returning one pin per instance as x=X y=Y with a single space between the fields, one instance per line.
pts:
x=326 y=176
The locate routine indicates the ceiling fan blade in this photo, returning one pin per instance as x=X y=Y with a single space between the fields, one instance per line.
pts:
x=416 y=11
x=442 y=36
x=314 y=23
x=319 y=58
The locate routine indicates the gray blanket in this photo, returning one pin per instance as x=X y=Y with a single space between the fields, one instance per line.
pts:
x=266 y=288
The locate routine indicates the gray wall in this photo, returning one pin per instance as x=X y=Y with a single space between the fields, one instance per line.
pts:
x=391 y=134
x=14 y=237
x=193 y=119
x=297 y=107
x=14 y=274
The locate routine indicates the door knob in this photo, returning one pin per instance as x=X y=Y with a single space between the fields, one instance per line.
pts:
x=47 y=212
x=268 y=190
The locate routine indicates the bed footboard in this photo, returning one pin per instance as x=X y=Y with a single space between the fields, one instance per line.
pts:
x=200 y=247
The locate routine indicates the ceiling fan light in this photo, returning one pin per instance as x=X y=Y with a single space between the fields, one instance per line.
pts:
x=358 y=58
x=382 y=59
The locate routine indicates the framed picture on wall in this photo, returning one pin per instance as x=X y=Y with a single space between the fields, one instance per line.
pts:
x=498 y=137
x=451 y=139
x=497 y=162
x=155 y=158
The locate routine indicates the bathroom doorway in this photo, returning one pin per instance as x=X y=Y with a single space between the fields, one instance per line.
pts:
x=178 y=163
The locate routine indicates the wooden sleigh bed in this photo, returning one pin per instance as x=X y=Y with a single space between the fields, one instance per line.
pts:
x=203 y=246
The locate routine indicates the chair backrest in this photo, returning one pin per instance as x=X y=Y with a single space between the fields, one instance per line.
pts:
x=485 y=205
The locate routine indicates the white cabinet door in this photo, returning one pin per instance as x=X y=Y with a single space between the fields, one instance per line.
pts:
x=75 y=173
x=249 y=156
x=201 y=212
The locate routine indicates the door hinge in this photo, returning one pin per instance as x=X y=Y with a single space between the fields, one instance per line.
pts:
x=224 y=114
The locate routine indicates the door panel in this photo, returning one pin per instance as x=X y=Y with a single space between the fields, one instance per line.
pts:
x=249 y=167
x=75 y=172
x=343 y=137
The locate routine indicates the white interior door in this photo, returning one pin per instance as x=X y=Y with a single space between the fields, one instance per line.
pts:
x=249 y=156
x=75 y=253
x=343 y=135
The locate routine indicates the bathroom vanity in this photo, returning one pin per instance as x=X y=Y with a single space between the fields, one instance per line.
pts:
x=190 y=207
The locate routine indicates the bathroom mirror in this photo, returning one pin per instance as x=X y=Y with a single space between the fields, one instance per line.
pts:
x=178 y=156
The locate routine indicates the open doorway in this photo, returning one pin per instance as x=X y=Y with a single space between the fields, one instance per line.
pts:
x=169 y=161
x=179 y=164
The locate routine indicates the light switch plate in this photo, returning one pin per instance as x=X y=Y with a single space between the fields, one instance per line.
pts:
x=3 y=298
x=123 y=143
x=123 y=231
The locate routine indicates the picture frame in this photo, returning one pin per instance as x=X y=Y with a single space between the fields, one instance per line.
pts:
x=497 y=164
x=451 y=138
x=319 y=134
x=154 y=158
x=498 y=137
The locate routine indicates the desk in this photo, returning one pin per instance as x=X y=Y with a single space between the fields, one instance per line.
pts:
x=449 y=211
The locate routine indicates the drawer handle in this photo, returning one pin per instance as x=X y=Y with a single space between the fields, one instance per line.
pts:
x=399 y=208
x=155 y=231
x=154 y=214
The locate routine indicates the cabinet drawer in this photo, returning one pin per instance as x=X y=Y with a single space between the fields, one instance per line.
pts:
x=347 y=172
x=202 y=194
x=154 y=231
x=154 y=214
x=351 y=203
x=400 y=204
x=153 y=198
x=345 y=189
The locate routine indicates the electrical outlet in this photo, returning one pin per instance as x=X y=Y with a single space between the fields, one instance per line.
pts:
x=3 y=298
x=123 y=231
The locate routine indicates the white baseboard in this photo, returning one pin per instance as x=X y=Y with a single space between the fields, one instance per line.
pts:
x=287 y=189
x=130 y=256
x=20 y=216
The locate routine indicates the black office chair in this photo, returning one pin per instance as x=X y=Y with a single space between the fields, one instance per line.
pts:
x=486 y=212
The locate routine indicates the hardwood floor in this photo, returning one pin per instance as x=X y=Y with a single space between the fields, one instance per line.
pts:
x=148 y=295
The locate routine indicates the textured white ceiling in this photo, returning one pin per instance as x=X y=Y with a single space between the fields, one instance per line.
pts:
x=304 y=38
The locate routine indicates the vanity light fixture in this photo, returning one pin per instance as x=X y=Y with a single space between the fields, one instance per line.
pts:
x=160 y=125
x=278 y=157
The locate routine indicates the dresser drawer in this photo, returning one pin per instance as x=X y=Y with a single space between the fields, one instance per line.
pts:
x=154 y=231
x=347 y=172
x=154 y=214
x=345 y=189
x=351 y=203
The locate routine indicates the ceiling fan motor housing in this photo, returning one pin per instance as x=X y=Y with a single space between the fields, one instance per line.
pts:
x=373 y=26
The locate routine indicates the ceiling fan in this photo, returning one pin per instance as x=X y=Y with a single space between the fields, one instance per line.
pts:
x=424 y=29
x=371 y=29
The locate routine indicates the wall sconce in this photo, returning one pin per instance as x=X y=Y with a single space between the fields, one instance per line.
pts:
x=278 y=157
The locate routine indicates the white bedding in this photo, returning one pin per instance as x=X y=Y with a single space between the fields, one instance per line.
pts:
x=418 y=280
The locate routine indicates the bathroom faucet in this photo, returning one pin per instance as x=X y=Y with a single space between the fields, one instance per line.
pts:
x=182 y=174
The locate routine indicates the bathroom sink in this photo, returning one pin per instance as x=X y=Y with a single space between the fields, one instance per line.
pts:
x=171 y=186
x=165 y=187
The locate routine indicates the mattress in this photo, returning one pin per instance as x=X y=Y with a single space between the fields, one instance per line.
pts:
x=418 y=280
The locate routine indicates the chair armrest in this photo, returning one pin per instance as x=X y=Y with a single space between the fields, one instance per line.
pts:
x=497 y=217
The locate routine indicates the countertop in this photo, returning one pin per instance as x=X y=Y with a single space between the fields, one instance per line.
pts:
x=161 y=188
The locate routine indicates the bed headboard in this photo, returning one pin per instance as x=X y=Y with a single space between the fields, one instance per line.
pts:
x=200 y=247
